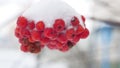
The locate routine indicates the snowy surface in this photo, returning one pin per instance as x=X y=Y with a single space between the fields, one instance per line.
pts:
x=54 y=65
x=11 y=9
x=49 y=10
x=16 y=59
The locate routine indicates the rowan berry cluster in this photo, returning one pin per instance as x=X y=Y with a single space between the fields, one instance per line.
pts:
x=34 y=36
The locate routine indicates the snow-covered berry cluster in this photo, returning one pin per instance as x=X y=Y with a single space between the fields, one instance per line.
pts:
x=33 y=37
x=54 y=24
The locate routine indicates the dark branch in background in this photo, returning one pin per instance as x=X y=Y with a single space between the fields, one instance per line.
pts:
x=37 y=60
x=109 y=22
x=102 y=3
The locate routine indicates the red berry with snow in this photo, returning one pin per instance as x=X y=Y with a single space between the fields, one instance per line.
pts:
x=30 y=39
x=51 y=46
x=55 y=28
x=76 y=38
x=62 y=38
x=25 y=32
x=75 y=21
x=17 y=32
x=34 y=48
x=65 y=48
x=85 y=34
x=59 y=25
x=53 y=42
x=59 y=45
x=40 y=26
x=22 y=22
x=80 y=29
x=24 y=41
x=42 y=46
x=31 y=25
x=50 y=33
x=83 y=18
x=70 y=33
x=70 y=44
x=24 y=48
x=36 y=35
x=44 y=40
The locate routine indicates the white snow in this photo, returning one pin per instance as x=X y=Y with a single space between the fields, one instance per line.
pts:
x=16 y=59
x=49 y=10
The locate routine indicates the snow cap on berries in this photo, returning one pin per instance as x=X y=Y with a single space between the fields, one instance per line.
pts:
x=49 y=10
